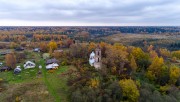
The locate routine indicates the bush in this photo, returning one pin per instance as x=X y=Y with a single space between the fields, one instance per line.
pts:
x=1 y=79
x=51 y=71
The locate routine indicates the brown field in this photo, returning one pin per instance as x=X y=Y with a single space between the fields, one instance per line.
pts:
x=130 y=38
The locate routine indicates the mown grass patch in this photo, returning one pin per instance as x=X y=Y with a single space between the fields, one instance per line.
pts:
x=25 y=75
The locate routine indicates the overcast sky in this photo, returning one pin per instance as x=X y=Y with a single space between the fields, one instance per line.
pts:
x=89 y=12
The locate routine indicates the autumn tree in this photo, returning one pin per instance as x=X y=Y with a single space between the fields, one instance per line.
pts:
x=141 y=58
x=69 y=42
x=13 y=45
x=60 y=43
x=91 y=46
x=138 y=53
x=174 y=74
x=129 y=90
x=103 y=48
x=133 y=64
x=94 y=83
x=78 y=51
x=20 y=56
x=116 y=57
x=150 y=48
x=58 y=54
x=10 y=60
x=176 y=54
x=52 y=45
x=155 y=69
x=153 y=54
x=164 y=53
x=43 y=47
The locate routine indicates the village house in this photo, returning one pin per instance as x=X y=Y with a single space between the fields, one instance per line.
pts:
x=36 y=50
x=52 y=64
x=19 y=49
x=5 y=52
x=5 y=68
x=29 y=64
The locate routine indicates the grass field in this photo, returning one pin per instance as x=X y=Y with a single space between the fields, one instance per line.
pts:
x=50 y=87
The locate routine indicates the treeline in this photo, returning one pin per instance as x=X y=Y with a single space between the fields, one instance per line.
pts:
x=9 y=38
x=157 y=43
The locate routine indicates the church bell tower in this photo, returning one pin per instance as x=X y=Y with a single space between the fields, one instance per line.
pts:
x=98 y=54
x=97 y=63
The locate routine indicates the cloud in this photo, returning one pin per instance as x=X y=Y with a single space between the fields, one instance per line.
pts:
x=90 y=12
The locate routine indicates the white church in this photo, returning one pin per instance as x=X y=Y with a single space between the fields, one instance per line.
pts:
x=95 y=58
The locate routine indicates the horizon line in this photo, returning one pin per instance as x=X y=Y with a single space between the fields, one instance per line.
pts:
x=90 y=26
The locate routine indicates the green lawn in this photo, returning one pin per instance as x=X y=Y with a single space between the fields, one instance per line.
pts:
x=25 y=75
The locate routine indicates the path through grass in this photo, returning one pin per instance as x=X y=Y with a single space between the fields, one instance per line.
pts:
x=56 y=85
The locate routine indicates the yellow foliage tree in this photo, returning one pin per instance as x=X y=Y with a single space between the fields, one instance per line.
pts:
x=164 y=53
x=130 y=90
x=94 y=83
x=138 y=53
x=176 y=54
x=102 y=44
x=174 y=74
x=120 y=47
x=133 y=64
x=91 y=46
x=52 y=45
x=116 y=57
x=155 y=68
x=164 y=89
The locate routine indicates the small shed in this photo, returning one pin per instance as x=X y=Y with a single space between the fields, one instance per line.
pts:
x=19 y=49
x=1 y=63
x=17 y=70
x=36 y=49
x=29 y=64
